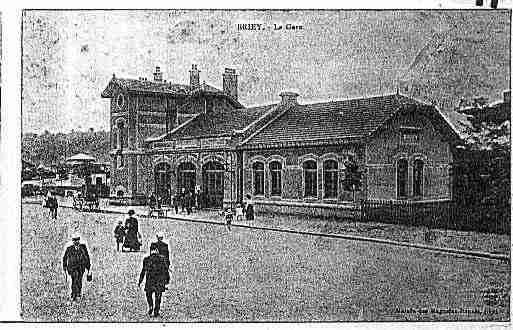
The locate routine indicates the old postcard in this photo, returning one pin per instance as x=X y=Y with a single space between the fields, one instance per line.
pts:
x=265 y=165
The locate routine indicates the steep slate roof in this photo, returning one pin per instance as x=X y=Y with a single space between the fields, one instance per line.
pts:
x=147 y=86
x=347 y=119
x=220 y=123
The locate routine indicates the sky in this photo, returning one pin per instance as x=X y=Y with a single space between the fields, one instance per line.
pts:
x=70 y=56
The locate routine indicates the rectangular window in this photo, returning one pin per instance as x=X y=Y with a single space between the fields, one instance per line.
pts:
x=275 y=171
x=418 y=177
x=258 y=178
x=310 y=184
x=310 y=174
x=209 y=104
x=402 y=178
x=330 y=179
x=410 y=138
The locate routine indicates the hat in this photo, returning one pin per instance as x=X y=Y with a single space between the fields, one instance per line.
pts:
x=131 y=212
x=153 y=247
x=160 y=234
x=75 y=236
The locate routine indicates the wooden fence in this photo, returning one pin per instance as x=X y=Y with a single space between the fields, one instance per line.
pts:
x=444 y=214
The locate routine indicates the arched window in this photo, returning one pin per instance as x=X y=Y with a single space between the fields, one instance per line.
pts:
x=418 y=177
x=310 y=175
x=402 y=178
x=330 y=179
x=258 y=178
x=213 y=184
x=275 y=171
x=186 y=173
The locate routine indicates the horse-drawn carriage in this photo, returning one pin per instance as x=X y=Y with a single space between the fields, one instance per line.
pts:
x=86 y=200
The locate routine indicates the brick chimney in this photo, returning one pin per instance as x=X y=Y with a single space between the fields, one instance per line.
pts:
x=157 y=75
x=194 y=77
x=289 y=97
x=230 y=82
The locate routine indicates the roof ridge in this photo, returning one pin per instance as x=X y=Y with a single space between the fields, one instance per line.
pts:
x=150 y=81
x=285 y=110
x=353 y=99
x=272 y=107
x=260 y=107
x=174 y=130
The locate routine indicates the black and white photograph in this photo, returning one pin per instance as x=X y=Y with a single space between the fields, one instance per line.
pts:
x=265 y=165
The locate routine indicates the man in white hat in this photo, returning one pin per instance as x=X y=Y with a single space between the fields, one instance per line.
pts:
x=162 y=247
x=75 y=262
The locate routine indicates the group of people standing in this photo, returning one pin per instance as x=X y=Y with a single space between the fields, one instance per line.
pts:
x=242 y=210
x=128 y=235
x=184 y=201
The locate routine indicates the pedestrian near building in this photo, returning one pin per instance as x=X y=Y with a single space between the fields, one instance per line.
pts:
x=250 y=211
x=156 y=271
x=119 y=234
x=183 y=199
x=197 y=194
x=228 y=217
x=239 y=212
x=132 y=233
x=200 y=197
x=174 y=200
x=189 y=200
x=52 y=204
x=75 y=262
x=161 y=246
x=152 y=204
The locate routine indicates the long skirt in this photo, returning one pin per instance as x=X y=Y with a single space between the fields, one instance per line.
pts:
x=131 y=240
x=250 y=213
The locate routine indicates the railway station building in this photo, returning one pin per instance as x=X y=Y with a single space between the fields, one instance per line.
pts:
x=288 y=156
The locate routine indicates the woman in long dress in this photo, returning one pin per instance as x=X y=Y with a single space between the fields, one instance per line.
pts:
x=250 y=212
x=132 y=233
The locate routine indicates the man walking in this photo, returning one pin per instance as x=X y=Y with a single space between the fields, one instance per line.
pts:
x=52 y=204
x=162 y=247
x=174 y=201
x=156 y=271
x=183 y=199
x=75 y=262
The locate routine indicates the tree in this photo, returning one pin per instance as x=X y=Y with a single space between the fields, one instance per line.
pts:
x=481 y=171
x=49 y=148
x=353 y=177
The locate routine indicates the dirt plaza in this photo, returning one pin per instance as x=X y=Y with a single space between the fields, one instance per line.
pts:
x=252 y=275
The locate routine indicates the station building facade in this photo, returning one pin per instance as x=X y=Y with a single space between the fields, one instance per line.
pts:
x=288 y=156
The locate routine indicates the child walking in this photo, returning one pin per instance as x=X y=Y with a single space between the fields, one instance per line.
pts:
x=228 y=217
x=119 y=234
x=239 y=212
